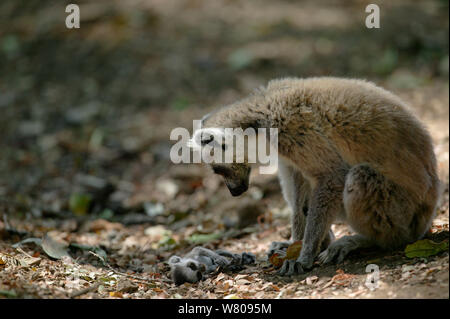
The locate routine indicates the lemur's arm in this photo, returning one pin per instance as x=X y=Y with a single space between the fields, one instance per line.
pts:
x=211 y=259
x=238 y=259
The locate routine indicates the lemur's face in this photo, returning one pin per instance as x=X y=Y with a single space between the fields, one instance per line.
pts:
x=185 y=270
x=236 y=173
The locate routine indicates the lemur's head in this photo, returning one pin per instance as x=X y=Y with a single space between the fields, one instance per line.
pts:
x=214 y=137
x=185 y=270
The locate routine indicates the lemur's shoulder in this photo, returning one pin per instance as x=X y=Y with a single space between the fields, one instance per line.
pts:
x=332 y=91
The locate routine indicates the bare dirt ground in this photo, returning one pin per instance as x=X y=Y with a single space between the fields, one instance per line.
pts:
x=86 y=118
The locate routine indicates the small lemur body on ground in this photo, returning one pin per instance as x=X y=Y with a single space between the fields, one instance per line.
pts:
x=201 y=261
x=348 y=151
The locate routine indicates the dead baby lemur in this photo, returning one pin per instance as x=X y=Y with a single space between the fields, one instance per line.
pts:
x=200 y=261
x=349 y=151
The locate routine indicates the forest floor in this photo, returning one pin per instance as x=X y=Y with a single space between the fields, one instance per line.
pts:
x=138 y=241
x=91 y=205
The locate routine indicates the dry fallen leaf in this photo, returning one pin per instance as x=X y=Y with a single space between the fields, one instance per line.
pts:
x=311 y=279
x=271 y=286
x=276 y=260
x=157 y=289
x=250 y=278
x=341 y=278
x=53 y=248
x=116 y=294
x=219 y=277
x=7 y=259
x=293 y=251
x=29 y=261
x=102 y=224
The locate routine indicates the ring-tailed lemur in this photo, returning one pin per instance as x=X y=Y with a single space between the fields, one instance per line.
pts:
x=348 y=150
x=200 y=261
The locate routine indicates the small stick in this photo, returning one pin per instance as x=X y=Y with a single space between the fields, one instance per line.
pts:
x=142 y=280
x=23 y=252
x=78 y=293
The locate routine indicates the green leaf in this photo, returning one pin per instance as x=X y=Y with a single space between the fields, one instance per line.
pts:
x=425 y=248
x=167 y=242
x=180 y=103
x=79 y=203
x=10 y=45
x=204 y=238
x=106 y=214
x=106 y=279
x=386 y=63
x=8 y=293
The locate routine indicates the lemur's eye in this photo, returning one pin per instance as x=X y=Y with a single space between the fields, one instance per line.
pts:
x=192 y=266
x=206 y=139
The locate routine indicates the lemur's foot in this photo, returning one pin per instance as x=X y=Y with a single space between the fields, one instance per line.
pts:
x=338 y=250
x=278 y=247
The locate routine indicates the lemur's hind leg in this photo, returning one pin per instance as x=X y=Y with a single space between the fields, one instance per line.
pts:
x=378 y=210
x=339 y=249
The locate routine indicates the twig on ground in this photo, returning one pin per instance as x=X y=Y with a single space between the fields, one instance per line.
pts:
x=78 y=293
x=23 y=252
x=142 y=280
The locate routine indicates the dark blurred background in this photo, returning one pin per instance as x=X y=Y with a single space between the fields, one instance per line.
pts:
x=92 y=108
x=85 y=118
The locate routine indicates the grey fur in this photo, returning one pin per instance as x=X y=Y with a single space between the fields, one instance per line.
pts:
x=201 y=261
x=349 y=149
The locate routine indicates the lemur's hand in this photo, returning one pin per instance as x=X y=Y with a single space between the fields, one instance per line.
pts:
x=296 y=267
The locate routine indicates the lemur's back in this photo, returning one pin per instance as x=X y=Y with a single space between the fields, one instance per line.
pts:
x=363 y=123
